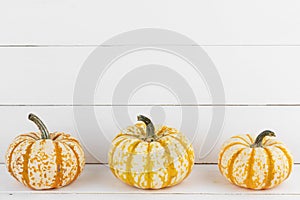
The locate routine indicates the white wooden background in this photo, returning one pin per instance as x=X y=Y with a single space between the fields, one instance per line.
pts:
x=255 y=46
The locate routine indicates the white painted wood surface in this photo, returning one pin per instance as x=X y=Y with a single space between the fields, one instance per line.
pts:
x=204 y=181
x=234 y=22
x=250 y=75
x=284 y=120
x=146 y=196
x=254 y=45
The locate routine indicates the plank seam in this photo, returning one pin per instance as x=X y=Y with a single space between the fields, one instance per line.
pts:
x=122 y=45
x=175 y=105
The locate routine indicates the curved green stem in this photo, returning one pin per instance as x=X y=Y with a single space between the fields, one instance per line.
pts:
x=260 y=137
x=150 y=131
x=40 y=125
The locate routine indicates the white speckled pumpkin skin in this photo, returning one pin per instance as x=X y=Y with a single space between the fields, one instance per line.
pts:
x=255 y=168
x=151 y=165
x=45 y=163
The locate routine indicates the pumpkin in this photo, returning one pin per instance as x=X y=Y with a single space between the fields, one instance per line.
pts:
x=43 y=160
x=262 y=163
x=151 y=157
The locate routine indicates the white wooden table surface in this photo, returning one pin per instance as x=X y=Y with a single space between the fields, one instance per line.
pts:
x=97 y=181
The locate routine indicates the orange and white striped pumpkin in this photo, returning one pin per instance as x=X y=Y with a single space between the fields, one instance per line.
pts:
x=43 y=160
x=151 y=158
x=262 y=163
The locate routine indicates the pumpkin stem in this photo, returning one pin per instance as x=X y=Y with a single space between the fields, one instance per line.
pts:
x=150 y=131
x=40 y=125
x=260 y=137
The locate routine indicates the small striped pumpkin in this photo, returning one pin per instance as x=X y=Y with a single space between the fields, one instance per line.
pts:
x=262 y=163
x=45 y=160
x=151 y=157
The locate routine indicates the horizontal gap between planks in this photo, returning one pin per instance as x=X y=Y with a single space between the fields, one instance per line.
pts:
x=138 y=45
x=133 y=105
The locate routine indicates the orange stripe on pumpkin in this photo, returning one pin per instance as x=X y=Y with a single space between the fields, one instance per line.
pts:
x=241 y=138
x=223 y=152
x=70 y=139
x=29 y=136
x=130 y=135
x=270 y=142
x=78 y=164
x=249 y=179
x=10 y=159
x=270 y=162
x=26 y=156
x=161 y=131
x=149 y=166
x=111 y=164
x=37 y=135
x=57 y=136
x=289 y=158
x=131 y=151
x=187 y=148
x=231 y=163
x=250 y=138
x=171 y=170
x=59 y=172
x=274 y=143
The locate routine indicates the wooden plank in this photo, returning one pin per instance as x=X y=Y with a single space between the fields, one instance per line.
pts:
x=145 y=196
x=48 y=76
x=204 y=180
x=96 y=126
x=206 y=22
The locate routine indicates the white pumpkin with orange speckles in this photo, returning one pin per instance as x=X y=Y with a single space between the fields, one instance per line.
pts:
x=260 y=163
x=45 y=163
x=151 y=158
